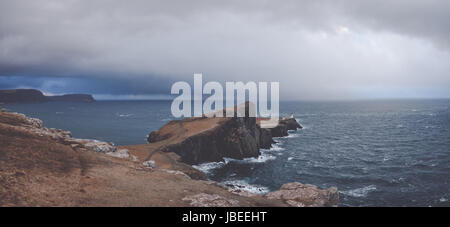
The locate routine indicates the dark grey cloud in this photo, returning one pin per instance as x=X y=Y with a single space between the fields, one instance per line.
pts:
x=314 y=48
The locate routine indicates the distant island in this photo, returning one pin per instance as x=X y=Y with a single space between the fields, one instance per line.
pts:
x=36 y=96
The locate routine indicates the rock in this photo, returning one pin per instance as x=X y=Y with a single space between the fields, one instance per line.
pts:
x=284 y=125
x=99 y=146
x=291 y=123
x=120 y=153
x=210 y=200
x=149 y=164
x=300 y=195
x=280 y=130
x=265 y=138
x=155 y=137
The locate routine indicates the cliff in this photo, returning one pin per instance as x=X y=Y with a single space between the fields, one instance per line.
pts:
x=201 y=139
x=22 y=95
x=198 y=140
x=42 y=166
x=33 y=96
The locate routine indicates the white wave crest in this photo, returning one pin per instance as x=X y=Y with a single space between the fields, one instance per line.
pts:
x=276 y=147
x=264 y=157
x=124 y=115
x=292 y=135
x=360 y=192
x=208 y=166
x=245 y=186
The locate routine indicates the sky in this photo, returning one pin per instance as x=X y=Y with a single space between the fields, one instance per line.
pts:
x=315 y=49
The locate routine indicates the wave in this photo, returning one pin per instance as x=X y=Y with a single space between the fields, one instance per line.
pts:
x=264 y=157
x=275 y=147
x=208 y=166
x=360 y=192
x=292 y=135
x=245 y=186
x=124 y=115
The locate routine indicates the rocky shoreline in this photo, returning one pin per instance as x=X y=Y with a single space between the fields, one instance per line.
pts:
x=48 y=167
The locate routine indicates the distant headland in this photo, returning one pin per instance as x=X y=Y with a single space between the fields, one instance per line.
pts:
x=36 y=96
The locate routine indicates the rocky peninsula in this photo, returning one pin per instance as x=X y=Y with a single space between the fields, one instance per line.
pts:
x=42 y=166
x=36 y=96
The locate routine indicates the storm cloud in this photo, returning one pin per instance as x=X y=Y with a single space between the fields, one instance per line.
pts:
x=316 y=49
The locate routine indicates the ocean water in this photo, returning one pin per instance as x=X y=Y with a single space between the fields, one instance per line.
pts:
x=378 y=153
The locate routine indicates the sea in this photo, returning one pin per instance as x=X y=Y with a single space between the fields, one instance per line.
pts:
x=376 y=152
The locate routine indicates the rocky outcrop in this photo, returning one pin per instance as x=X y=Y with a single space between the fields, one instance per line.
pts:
x=305 y=195
x=265 y=138
x=33 y=96
x=291 y=123
x=284 y=126
x=202 y=139
x=198 y=140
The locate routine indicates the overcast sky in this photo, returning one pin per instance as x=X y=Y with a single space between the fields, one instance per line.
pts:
x=316 y=49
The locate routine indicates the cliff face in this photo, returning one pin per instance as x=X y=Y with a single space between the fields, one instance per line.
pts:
x=198 y=140
x=284 y=125
x=33 y=96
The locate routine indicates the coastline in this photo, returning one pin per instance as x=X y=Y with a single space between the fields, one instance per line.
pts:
x=96 y=173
